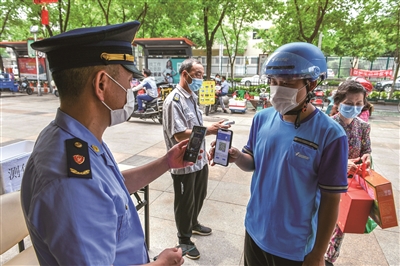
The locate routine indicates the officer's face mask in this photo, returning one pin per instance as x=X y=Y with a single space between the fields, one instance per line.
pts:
x=284 y=99
x=196 y=83
x=119 y=116
x=349 y=111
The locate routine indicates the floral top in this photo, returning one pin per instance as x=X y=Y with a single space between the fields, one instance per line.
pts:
x=357 y=136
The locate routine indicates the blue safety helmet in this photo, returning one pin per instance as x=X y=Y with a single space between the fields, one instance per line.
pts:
x=298 y=60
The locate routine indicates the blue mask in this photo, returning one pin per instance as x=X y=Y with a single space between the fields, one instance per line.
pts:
x=349 y=111
x=195 y=85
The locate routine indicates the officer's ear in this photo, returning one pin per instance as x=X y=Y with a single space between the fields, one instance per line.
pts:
x=100 y=84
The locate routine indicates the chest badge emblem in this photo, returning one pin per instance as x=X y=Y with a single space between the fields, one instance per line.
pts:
x=79 y=159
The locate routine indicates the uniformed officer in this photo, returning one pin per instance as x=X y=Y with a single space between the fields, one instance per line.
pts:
x=181 y=114
x=75 y=200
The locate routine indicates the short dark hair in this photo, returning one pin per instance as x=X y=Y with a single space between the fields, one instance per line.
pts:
x=223 y=77
x=188 y=64
x=147 y=72
x=70 y=82
x=348 y=87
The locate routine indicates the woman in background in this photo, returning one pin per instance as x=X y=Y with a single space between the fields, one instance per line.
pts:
x=350 y=99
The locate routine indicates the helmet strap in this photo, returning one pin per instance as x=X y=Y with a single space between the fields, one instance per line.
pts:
x=304 y=109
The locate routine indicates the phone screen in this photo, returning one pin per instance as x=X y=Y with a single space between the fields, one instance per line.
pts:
x=193 y=148
x=222 y=146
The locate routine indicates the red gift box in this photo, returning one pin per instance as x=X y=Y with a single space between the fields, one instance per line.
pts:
x=354 y=208
x=383 y=210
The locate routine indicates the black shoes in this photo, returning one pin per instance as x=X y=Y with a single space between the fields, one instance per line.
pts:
x=190 y=250
x=201 y=230
x=188 y=247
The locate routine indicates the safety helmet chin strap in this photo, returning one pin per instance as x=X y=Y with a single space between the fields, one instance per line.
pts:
x=304 y=109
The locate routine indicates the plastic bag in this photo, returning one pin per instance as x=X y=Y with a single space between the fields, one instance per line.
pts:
x=370 y=226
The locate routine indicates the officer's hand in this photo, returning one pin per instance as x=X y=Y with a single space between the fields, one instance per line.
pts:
x=170 y=256
x=176 y=153
x=214 y=127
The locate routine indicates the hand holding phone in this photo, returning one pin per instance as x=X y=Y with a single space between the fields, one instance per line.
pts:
x=228 y=123
x=184 y=251
x=196 y=139
x=222 y=145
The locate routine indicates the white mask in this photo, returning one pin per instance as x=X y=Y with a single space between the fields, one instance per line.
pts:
x=284 y=99
x=119 y=116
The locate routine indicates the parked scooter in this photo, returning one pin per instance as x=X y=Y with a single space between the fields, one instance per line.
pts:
x=152 y=110
x=318 y=99
x=24 y=86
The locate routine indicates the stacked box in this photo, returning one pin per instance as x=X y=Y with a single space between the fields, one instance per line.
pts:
x=12 y=165
x=354 y=209
x=238 y=105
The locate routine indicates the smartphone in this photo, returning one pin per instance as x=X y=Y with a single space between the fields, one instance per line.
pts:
x=196 y=138
x=222 y=145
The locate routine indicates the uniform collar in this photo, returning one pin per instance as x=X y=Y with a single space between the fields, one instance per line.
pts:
x=76 y=129
x=185 y=93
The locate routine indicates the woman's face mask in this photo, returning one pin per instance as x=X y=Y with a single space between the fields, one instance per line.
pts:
x=119 y=116
x=284 y=99
x=349 y=111
x=196 y=83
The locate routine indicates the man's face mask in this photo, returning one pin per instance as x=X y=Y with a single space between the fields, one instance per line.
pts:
x=196 y=83
x=119 y=116
x=284 y=99
x=349 y=111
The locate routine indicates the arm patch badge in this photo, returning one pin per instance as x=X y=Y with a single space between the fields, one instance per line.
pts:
x=78 y=161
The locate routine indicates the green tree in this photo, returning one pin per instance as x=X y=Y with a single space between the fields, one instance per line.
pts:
x=236 y=25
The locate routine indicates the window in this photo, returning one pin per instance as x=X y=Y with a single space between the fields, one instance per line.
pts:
x=255 y=34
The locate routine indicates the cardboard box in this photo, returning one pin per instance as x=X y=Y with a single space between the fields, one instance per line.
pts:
x=355 y=206
x=383 y=210
x=12 y=165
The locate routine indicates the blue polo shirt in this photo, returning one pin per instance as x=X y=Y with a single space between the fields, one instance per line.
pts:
x=291 y=167
x=79 y=221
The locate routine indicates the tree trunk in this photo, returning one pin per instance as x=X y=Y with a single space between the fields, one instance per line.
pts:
x=209 y=58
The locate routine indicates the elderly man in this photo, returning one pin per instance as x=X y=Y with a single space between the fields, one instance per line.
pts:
x=181 y=114
x=75 y=200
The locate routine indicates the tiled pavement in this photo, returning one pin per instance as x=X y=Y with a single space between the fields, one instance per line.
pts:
x=137 y=142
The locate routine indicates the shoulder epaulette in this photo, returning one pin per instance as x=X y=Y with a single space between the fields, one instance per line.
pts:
x=177 y=97
x=78 y=161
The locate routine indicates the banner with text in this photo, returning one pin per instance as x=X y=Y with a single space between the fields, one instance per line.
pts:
x=371 y=73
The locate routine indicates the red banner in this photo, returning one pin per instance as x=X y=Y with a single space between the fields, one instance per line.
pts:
x=371 y=73
x=44 y=1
